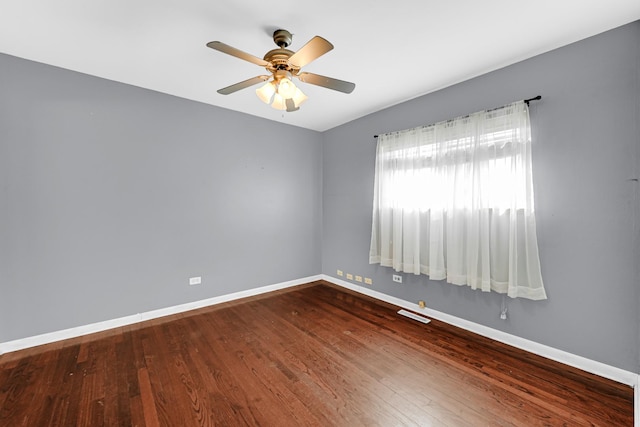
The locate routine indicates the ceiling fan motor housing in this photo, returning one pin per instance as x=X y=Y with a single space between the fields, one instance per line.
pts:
x=279 y=60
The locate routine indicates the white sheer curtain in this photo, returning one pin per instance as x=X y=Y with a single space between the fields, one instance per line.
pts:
x=454 y=201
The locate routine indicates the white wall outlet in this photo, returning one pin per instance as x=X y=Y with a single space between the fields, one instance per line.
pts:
x=397 y=278
x=359 y=279
x=368 y=281
x=340 y=273
x=195 y=280
x=349 y=276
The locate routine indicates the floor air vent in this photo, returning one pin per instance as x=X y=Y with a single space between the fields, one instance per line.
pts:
x=413 y=316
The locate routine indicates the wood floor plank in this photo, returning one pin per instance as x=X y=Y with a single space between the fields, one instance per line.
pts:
x=150 y=415
x=314 y=355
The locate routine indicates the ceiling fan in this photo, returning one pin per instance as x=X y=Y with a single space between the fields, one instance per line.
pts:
x=284 y=64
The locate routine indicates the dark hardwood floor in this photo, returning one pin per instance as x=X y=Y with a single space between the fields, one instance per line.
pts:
x=311 y=355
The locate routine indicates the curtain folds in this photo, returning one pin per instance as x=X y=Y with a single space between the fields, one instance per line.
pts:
x=454 y=201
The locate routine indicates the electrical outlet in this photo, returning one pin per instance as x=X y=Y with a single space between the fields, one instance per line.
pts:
x=195 y=280
x=340 y=273
x=349 y=276
x=368 y=281
x=397 y=278
x=359 y=279
x=422 y=304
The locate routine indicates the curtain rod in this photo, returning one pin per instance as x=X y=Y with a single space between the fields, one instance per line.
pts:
x=526 y=101
x=535 y=98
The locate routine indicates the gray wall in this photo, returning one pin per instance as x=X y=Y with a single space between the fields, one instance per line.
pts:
x=113 y=196
x=585 y=155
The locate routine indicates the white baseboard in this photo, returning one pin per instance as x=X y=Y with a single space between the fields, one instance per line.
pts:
x=48 y=338
x=588 y=365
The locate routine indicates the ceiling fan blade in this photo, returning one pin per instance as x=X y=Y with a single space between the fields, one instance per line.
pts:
x=314 y=49
x=225 y=48
x=241 y=85
x=328 y=82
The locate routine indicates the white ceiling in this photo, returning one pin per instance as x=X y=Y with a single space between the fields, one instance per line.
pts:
x=393 y=50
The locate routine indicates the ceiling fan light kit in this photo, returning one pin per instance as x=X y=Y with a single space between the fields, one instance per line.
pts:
x=277 y=91
x=284 y=65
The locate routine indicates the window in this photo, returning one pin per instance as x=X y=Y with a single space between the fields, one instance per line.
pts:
x=454 y=201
